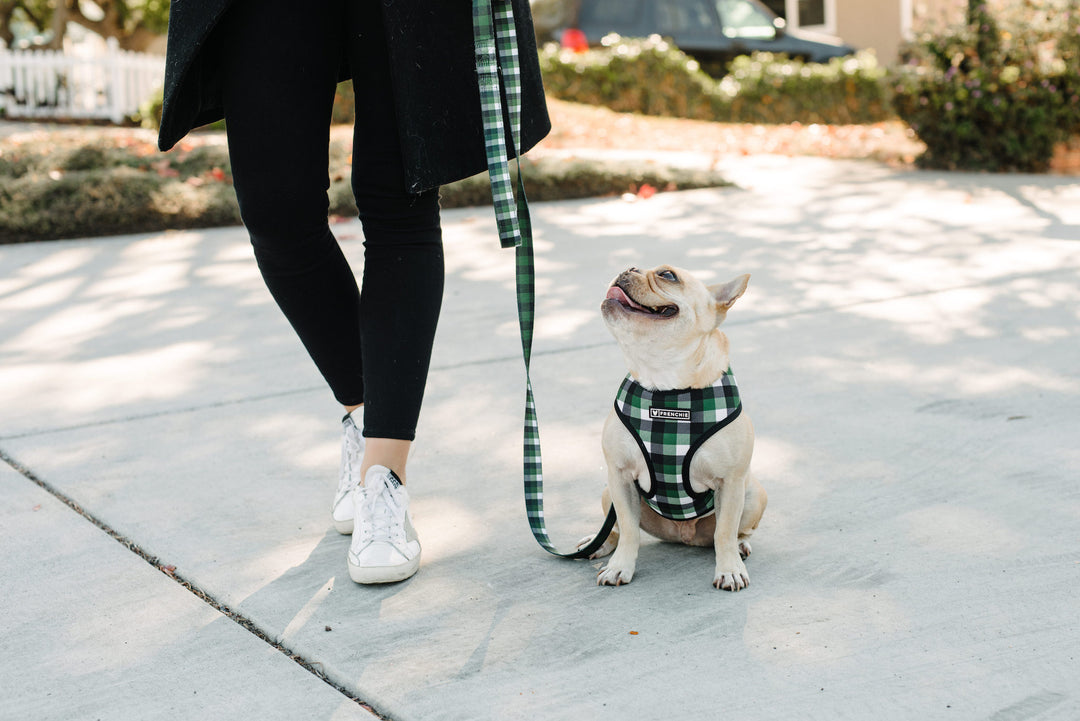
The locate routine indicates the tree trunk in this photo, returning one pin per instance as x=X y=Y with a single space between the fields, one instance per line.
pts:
x=7 y=9
x=59 y=25
x=107 y=27
x=110 y=26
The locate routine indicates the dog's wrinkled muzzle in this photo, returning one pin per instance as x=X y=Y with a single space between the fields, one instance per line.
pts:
x=618 y=294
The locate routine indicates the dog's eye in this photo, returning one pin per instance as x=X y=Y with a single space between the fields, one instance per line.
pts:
x=668 y=275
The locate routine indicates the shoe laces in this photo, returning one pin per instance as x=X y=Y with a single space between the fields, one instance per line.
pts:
x=352 y=452
x=383 y=513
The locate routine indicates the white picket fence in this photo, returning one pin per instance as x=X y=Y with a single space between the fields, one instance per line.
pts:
x=54 y=84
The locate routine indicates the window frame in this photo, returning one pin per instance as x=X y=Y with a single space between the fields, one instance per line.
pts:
x=791 y=13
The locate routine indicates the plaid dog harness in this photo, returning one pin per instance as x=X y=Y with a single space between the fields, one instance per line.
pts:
x=669 y=427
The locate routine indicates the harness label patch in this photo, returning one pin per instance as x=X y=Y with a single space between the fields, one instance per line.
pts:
x=670 y=414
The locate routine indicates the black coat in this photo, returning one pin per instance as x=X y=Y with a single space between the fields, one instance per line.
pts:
x=432 y=61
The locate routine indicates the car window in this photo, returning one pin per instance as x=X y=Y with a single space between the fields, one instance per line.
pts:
x=685 y=17
x=609 y=13
x=743 y=19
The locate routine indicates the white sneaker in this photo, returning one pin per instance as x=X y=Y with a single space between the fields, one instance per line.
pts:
x=352 y=454
x=384 y=545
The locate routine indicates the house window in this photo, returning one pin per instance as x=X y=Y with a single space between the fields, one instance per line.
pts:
x=816 y=14
x=811 y=12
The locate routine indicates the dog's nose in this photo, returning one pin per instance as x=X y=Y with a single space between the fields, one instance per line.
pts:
x=632 y=269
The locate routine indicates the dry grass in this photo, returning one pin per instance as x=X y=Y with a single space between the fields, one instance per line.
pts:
x=585 y=126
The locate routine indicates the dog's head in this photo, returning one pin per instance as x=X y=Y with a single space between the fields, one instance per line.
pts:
x=658 y=316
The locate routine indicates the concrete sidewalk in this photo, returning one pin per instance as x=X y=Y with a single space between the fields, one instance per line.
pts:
x=907 y=349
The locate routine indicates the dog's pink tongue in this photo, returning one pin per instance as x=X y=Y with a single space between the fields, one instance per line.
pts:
x=617 y=294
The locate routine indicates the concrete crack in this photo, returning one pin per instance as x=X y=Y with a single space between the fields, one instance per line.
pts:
x=312 y=667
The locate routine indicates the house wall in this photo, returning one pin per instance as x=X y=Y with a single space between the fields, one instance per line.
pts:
x=884 y=24
x=873 y=24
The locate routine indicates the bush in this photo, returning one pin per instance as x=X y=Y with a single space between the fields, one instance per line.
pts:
x=61 y=185
x=69 y=184
x=652 y=77
x=149 y=115
x=765 y=88
x=553 y=178
x=103 y=202
x=642 y=76
x=996 y=94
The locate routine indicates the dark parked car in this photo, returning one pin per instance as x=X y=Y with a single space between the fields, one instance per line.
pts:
x=711 y=31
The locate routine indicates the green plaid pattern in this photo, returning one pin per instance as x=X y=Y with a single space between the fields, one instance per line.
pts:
x=669 y=426
x=496 y=40
x=499 y=78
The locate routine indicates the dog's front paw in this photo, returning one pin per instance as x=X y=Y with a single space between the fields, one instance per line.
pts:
x=614 y=575
x=608 y=547
x=731 y=577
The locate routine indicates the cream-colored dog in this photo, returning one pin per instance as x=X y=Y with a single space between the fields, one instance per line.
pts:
x=666 y=323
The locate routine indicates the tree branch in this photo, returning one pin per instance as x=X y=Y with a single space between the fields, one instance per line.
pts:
x=35 y=18
x=101 y=27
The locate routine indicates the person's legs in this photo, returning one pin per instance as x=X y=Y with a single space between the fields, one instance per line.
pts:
x=280 y=62
x=403 y=260
x=399 y=307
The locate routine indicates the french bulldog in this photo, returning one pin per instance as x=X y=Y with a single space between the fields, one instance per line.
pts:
x=666 y=323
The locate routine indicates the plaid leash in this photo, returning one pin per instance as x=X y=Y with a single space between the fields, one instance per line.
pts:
x=499 y=77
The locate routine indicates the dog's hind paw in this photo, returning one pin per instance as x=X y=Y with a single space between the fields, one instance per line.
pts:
x=609 y=576
x=744 y=549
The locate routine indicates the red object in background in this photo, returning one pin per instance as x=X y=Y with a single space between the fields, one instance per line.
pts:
x=574 y=39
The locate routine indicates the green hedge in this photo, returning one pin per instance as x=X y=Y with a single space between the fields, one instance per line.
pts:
x=653 y=77
x=64 y=186
x=997 y=93
x=52 y=188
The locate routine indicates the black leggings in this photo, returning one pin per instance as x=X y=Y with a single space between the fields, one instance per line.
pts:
x=280 y=61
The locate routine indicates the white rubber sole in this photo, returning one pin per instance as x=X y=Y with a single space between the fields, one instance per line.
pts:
x=384 y=574
x=343 y=527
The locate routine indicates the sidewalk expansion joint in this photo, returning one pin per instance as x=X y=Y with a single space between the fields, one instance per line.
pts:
x=312 y=667
x=540 y=353
x=35 y=432
x=158 y=414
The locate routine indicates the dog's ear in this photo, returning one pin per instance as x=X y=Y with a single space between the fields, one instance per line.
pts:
x=727 y=293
